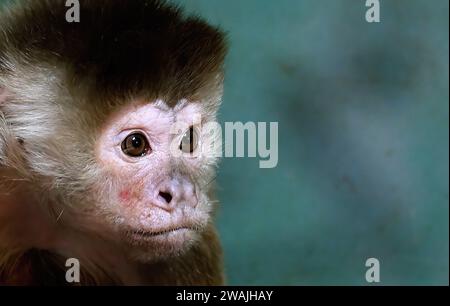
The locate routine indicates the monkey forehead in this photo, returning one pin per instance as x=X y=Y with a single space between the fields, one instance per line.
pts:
x=157 y=116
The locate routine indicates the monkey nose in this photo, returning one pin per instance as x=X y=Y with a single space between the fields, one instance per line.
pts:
x=165 y=196
x=175 y=194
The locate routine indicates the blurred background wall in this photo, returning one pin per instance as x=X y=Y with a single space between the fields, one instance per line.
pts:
x=363 y=112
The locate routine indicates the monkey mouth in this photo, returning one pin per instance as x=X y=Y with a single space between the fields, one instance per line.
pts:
x=151 y=234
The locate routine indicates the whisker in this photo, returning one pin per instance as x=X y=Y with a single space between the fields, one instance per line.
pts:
x=60 y=215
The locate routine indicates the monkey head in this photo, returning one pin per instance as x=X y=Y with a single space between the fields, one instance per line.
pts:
x=94 y=105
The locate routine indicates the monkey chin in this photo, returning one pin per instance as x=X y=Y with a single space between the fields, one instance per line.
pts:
x=148 y=247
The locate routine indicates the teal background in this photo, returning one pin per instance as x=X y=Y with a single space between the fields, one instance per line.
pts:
x=363 y=112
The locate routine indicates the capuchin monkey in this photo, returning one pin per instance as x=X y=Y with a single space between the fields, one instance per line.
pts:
x=86 y=166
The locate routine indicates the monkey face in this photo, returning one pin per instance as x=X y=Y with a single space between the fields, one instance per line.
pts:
x=155 y=198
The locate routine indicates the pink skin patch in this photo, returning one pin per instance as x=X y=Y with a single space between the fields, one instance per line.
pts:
x=131 y=195
x=125 y=196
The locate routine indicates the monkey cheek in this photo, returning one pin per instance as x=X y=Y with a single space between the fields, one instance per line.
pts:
x=125 y=196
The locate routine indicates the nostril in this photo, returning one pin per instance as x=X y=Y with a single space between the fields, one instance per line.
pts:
x=166 y=196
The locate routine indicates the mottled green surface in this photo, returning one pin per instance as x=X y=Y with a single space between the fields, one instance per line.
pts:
x=363 y=111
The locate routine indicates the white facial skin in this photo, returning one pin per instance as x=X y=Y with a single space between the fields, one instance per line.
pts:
x=155 y=201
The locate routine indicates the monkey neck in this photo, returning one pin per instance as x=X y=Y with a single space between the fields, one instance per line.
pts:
x=30 y=240
x=25 y=226
x=107 y=263
x=22 y=221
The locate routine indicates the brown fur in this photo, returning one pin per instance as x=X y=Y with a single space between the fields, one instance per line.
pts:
x=201 y=266
x=59 y=82
x=120 y=47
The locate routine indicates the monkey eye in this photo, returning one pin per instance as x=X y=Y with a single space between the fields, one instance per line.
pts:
x=189 y=142
x=136 y=145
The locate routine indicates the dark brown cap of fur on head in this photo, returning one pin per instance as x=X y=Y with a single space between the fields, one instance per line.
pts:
x=122 y=47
